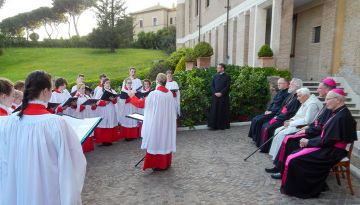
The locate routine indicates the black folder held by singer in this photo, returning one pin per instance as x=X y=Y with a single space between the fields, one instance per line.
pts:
x=69 y=101
x=107 y=95
x=90 y=101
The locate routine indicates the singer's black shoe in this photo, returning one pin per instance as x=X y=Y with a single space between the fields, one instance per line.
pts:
x=276 y=176
x=272 y=170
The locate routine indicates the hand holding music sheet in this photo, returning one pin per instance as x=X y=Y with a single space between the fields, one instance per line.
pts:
x=83 y=127
x=69 y=101
x=136 y=116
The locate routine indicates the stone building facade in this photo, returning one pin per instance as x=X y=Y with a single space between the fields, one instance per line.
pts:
x=153 y=19
x=311 y=38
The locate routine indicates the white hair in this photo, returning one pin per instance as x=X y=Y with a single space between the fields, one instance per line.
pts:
x=303 y=92
x=298 y=82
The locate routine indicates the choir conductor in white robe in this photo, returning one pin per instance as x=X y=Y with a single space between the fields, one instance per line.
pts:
x=159 y=126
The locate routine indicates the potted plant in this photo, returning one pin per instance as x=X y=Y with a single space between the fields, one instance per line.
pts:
x=190 y=59
x=265 y=55
x=203 y=51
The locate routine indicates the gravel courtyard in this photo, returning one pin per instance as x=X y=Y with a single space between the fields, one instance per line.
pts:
x=208 y=168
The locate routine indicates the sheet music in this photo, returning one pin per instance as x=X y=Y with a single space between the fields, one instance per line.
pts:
x=83 y=127
x=136 y=116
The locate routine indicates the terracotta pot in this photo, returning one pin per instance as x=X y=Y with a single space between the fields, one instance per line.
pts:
x=189 y=65
x=266 y=61
x=203 y=62
x=243 y=118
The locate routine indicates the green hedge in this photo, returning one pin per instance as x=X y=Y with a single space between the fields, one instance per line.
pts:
x=249 y=92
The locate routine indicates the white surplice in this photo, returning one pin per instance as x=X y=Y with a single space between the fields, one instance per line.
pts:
x=62 y=97
x=87 y=112
x=59 y=97
x=74 y=88
x=305 y=115
x=108 y=113
x=136 y=84
x=159 y=125
x=41 y=161
x=174 y=86
x=96 y=90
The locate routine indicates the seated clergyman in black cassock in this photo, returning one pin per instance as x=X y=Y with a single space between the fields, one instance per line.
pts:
x=273 y=108
x=306 y=169
x=288 y=110
x=291 y=142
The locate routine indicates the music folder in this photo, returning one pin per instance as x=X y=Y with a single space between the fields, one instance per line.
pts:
x=82 y=127
x=136 y=116
x=69 y=101
x=90 y=101
x=106 y=95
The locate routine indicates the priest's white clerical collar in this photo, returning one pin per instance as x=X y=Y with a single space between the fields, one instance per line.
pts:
x=38 y=102
x=221 y=73
x=5 y=108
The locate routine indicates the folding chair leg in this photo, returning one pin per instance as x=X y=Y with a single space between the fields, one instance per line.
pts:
x=342 y=172
x=337 y=175
x=349 y=180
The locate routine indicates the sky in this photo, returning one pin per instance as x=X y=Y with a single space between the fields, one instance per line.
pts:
x=87 y=20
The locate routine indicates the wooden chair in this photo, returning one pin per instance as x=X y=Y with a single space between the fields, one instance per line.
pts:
x=343 y=167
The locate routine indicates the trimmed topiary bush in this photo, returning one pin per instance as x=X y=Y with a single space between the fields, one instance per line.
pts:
x=265 y=51
x=189 y=56
x=175 y=57
x=203 y=49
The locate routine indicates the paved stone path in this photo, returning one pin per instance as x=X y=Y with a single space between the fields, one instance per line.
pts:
x=208 y=168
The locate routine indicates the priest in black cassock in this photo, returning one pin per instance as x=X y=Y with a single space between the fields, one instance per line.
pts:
x=219 y=117
x=288 y=110
x=291 y=142
x=275 y=106
x=307 y=169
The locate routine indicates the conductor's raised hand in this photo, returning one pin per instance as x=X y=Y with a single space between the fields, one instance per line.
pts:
x=218 y=94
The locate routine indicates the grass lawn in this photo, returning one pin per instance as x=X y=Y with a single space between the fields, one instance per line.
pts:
x=16 y=63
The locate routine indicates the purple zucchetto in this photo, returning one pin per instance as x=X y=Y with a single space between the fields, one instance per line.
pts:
x=329 y=82
x=338 y=91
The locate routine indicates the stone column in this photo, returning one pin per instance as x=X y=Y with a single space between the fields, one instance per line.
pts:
x=180 y=21
x=221 y=49
x=281 y=32
x=232 y=40
x=214 y=45
x=257 y=33
x=242 y=36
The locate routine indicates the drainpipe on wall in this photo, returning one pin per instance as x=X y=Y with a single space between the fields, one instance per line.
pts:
x=199 y=12
x=227 y=31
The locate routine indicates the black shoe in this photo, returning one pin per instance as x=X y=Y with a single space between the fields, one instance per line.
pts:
x=158 y=169
x=325 y=188
x=212 y=129
x=272 y=170
x=276 y=176
x=107 y=144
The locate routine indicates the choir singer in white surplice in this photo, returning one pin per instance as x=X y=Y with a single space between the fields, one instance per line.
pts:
x=41 y=160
